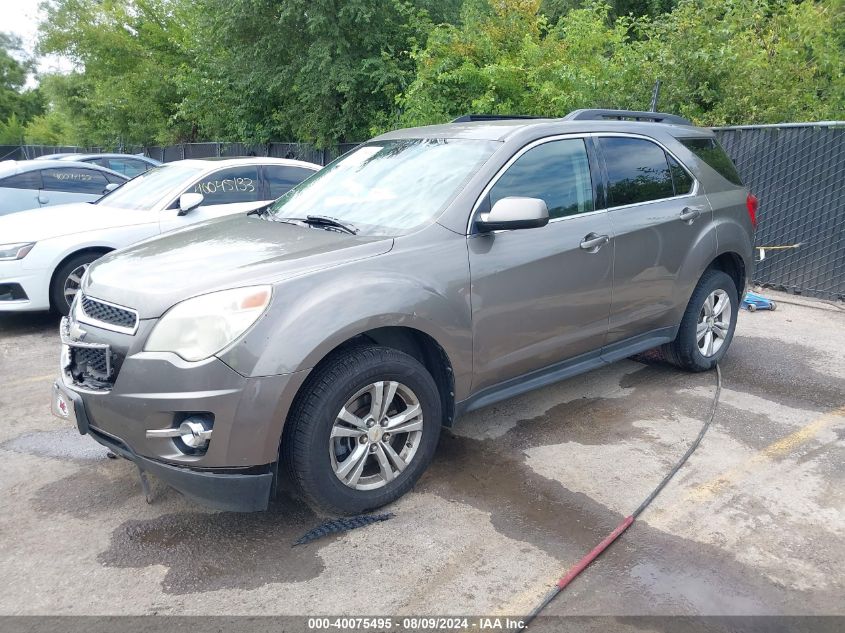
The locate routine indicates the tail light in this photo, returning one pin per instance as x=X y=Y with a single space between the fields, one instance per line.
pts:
x=752 y=204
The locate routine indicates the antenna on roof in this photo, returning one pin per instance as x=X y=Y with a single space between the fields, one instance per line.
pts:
x=655 y=93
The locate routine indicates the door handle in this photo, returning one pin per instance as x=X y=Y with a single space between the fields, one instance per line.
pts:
x=592 y=242
x=689 y=214
x=42 y=199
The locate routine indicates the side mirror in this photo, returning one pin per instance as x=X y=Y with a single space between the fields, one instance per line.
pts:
x=112 y=186
x=189 y=201
x=514 y=213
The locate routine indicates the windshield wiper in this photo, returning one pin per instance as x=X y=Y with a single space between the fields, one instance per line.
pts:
x=328 y=222
x=259 y=211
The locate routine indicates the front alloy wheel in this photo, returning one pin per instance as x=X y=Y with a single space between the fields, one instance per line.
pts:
x=362 y=430
x=376 y=435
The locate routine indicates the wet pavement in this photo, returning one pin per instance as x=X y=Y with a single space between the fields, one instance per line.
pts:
x=518 y=492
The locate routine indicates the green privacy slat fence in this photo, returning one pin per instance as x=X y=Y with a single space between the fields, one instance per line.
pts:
x=796 y=170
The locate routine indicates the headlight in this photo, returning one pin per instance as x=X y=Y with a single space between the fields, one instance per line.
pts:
x=8 y=252
x=200 y=327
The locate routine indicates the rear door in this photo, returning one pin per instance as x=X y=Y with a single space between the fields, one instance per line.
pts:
x=61 y=185
x=659 y=215
x=226 y=192
x=540 y=296
x=20 y=192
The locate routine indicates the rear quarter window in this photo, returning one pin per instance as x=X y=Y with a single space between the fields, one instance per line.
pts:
x=26 y=180
x=709 y=150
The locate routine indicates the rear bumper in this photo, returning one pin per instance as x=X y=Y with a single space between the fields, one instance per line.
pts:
x=236 y=490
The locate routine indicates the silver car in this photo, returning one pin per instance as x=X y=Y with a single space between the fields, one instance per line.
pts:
x=427 y=273
x=33 y=184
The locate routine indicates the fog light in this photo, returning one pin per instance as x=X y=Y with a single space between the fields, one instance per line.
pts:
x=193 y=432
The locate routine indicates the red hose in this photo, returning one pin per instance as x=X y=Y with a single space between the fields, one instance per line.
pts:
x=591 y=556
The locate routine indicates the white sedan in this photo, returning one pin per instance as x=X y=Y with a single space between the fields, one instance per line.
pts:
x=44 y=252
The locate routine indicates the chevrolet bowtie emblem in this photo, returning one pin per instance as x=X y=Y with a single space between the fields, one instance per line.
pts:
x=76 y=332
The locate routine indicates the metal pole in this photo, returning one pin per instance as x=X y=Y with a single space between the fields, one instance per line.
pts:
x=655 y=93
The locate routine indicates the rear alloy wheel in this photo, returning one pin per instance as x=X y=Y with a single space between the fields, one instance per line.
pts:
x=714 y=323
x=67 y=281
x=362 y=430
x=708 y=324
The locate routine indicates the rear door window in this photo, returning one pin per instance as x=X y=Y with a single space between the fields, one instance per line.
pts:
x=227 y=186
x=680 y=177
x=282 y=179
x=74 y=180
x=26 y=180
x=557 y=172
x=709 y=150
x=637 y=170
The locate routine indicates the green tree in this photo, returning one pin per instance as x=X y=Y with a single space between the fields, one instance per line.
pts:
x=720 y=61
x=128 y=57
x=15 y=99
x=318 y=70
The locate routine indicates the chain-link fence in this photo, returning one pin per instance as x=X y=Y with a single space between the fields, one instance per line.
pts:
x=798 y=173
x=796 y=170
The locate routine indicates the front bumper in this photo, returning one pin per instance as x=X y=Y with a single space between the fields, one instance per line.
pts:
x=232 y=490
x=156 y=391
x=35 y=284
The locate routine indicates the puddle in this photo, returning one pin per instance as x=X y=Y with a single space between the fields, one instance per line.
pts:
x=226 y=550
x=65 y=443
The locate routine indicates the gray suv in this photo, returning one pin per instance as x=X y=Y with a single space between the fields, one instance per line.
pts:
x=328 y=336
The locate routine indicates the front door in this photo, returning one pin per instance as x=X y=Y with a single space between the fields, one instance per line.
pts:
x=226 y=192
x=542 y=295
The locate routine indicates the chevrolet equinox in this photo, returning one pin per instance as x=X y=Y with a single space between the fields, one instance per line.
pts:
x=426 y=273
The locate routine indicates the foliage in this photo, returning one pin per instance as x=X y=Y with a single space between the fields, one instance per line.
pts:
x=720 y=62
x=128 y=54
x=328 y=71
x=321 y=70
x=17 y=104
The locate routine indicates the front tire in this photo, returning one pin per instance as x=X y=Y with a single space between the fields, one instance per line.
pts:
x=363 y=430
x=708 y=324
x=67 y=281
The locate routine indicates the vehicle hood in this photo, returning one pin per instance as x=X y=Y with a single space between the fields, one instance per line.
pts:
x=231 y=252
x=43 y=223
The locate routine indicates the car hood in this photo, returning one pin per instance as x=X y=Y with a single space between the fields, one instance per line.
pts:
x=43 y=223
x=232 y=252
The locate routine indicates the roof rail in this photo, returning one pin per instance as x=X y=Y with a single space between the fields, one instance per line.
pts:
x=467 y=118
x=601 y=114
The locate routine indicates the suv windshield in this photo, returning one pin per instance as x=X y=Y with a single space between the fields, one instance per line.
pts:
x=146 y=190
x=388 y=187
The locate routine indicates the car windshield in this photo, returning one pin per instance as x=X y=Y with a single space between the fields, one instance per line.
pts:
x=387 y=187
x=147 y=190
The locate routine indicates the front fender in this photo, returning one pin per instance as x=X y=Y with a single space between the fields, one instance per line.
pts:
x=424 y=287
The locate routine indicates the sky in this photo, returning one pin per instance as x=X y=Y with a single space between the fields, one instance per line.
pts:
x=21 y=18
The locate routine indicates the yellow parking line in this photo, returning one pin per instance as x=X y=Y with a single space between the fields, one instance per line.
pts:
x=27 y=381
x=775 y=450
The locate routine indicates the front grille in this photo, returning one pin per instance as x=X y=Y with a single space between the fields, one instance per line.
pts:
x=91 y=361
x=113 y=315
x=88 y=364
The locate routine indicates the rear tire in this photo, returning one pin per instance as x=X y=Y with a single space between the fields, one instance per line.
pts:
x=67 y=281
x=344 y=445
x=708 y=324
